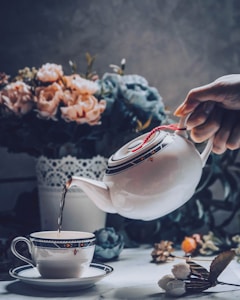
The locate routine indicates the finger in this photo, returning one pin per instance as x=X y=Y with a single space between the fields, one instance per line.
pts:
x=194 y=98
x=200 y=115
x=186 y=107
x=222 y=136
x=233 y=142
x=208 y=129
x=217 y=91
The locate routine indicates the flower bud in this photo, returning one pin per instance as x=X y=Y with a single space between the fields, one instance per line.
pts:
x=181 y=271
x=165 y=280
x=176 y=287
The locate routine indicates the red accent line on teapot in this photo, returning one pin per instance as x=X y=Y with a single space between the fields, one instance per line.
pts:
x=170 y=126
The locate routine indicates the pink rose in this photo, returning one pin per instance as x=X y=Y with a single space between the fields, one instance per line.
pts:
x=49 y=72
x=17 y=96
x=82 y=85
x=86 y=110
x=47 y=100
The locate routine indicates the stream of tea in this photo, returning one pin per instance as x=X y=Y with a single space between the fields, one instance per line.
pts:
x=62 y=203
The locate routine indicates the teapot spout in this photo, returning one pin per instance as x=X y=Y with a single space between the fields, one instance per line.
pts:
x=97 y=191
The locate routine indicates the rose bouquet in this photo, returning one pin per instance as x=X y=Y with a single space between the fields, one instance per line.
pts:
x=46 y=112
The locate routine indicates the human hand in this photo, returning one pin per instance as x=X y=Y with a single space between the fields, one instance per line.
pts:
x=214 y=111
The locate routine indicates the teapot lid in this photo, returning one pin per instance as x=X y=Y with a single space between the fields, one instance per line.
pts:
x=131 y=154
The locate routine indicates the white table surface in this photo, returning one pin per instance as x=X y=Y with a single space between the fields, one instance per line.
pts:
x=134 y=277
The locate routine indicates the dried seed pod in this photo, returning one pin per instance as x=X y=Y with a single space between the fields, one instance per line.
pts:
x=162 y=252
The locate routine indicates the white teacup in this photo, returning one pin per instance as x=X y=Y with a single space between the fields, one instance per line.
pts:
x=58 y=255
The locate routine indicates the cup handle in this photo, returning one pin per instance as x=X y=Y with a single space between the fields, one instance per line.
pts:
x=17 y=254
x=208 y=148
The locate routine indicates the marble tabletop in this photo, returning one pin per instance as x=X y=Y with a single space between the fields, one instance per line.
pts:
x=134 y=277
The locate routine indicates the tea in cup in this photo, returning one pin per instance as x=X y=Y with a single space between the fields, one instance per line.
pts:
x=64 y=254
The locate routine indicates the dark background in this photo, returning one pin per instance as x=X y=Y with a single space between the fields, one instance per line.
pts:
x=175 y=44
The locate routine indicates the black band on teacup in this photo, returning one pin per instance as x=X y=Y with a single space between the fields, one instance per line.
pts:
x=64 y=245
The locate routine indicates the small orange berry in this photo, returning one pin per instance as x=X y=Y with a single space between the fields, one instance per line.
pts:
x=189 y=245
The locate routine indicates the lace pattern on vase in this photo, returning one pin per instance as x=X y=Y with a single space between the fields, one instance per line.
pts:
x=55 y=172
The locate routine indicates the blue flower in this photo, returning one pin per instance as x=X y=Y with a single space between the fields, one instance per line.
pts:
x=109 y=244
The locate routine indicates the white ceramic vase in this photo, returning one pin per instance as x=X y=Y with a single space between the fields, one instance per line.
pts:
x=79 y=211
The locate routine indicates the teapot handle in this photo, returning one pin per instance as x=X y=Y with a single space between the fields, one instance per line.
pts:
x=208 y=148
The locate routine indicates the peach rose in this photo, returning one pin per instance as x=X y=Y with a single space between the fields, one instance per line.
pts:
x=88 y=110
x=47 y=100
x=82 y=85
x=49 y=72
x=17 y=96
x=71 y=97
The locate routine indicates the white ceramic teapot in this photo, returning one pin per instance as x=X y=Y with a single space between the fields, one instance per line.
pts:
x=150 y=176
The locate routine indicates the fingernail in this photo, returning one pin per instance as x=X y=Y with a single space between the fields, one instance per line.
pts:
x=178 y=111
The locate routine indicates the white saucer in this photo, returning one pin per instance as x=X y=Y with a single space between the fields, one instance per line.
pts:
x=30 y=275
